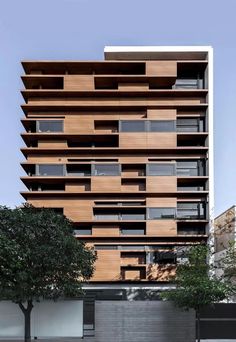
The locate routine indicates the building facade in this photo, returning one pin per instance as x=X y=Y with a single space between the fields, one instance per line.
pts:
x=225 y=230
x=123 y=147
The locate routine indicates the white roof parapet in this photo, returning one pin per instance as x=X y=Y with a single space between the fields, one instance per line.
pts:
x=156 y=52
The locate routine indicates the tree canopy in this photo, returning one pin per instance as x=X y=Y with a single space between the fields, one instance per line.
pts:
x=196 y=284
x=40 y=257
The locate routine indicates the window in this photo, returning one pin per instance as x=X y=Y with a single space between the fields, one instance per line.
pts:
x=133 y=216
x=161 y=213
x=131 y=231
x=106 y=169
x=164 y=257
x=78 y=170
x=147 y=126
x=106 y=215
x=105 y=247
x=50 y=170
x=188 y=83
x=191 y=210
x=191 y=231
x=83 y=231
x=132 y=247
x=161 y=126
x=101 y=214
x=161 y=169
x=49 y=126
x=191 y=188
x=132 y=126
x=190 y=125
x=190 y=168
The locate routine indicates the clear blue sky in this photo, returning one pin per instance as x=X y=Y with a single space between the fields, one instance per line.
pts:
x=79 y=29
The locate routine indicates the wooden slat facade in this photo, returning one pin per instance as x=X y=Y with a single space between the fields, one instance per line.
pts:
x=113 y=212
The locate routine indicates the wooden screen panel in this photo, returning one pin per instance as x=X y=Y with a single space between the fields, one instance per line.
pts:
x=160 y=272
x=133 y=258
x=161 y=140
x=161 y=68
x=133 y=186
x=131 y=274
x=79 y=124
x=52 y=143
x=79 y=210
x=78 y=82
x=133 y=86
x=106 y=231
x=161 y=184
x=133 y=140
x=50 y=159
x=107 y=266
x=161 y=202
x=78 y=186
x=106 y=183
x=161 y=228
x=162 y=114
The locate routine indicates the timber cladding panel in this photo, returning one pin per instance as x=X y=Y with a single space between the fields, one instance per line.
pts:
x=102 y=183
x=161 y=68
x=162 y=114
x=79 y=124
x=107 y=267
x=148 y=140
x=161 y=184
x=139 y=321
x=161 y=228
x=81 y=82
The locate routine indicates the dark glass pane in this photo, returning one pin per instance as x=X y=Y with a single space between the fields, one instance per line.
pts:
x=161 y=169
x=164 y=257
x=188 y=83
x=106 y=170
x=50 y=170
x=106 y=247
x=161 y=213
x=132 y=126
x=161 y=126
x=133 y=216
x=190 y=188
x=190 y=210
x=187 y=168
x=107 y=216
x=78 y=170
x=50 y=126
x=132 y=247
x=132 y=231
x=188 y=125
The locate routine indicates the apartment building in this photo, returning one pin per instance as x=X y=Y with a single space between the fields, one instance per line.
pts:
x=123 y=147
x=225 y=230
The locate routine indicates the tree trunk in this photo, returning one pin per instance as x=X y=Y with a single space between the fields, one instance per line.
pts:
x=198 y=326
x=27 y=313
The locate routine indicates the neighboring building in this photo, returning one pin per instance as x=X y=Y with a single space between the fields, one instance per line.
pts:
x=225 y=229
x=123 y=147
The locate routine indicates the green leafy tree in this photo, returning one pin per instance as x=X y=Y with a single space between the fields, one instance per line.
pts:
x=196 y=285
x=226 y=266
x=40 y=258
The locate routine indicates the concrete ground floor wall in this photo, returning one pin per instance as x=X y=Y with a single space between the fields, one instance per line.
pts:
x=138 y=321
